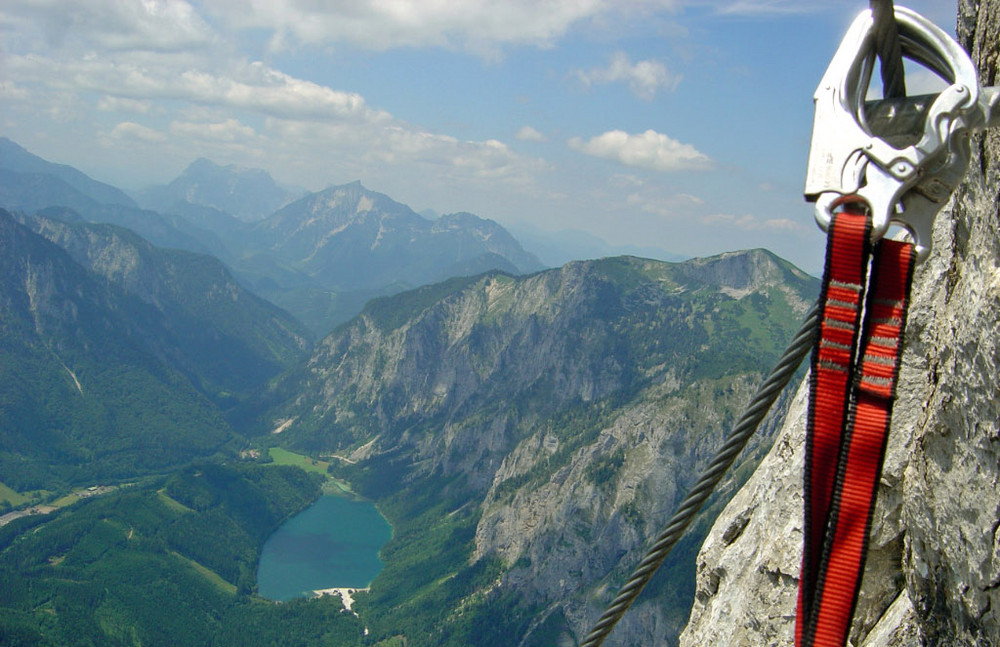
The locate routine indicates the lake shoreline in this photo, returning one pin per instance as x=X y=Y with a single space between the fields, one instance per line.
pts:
x=346 y=595
x=335 y=540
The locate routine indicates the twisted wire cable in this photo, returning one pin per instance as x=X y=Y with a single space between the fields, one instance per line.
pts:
x=721 y=462
x=888 y=49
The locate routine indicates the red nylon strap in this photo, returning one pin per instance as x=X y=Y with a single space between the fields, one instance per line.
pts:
x=847 y=254
x=842 y=480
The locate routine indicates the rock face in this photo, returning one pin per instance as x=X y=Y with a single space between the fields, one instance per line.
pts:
x=86 y=377
x=933 y=570
x=211 y=327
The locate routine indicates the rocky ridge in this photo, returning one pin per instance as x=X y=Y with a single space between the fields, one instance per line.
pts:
x=933 y=569
x=208 y=325
x=83 y=387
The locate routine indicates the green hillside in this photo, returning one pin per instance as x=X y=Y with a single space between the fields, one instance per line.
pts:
x=167 y=562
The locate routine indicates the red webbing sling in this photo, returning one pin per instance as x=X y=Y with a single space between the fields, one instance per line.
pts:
x=849 y=414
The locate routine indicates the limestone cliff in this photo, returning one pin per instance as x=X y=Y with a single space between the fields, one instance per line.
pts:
x=933 y=572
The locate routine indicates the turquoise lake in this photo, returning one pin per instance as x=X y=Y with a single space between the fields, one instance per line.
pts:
x=332 y=543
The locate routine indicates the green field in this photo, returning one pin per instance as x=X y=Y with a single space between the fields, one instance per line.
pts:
x=67 y=500
x=284 y=457
x=333 y=485
x=10 y=496
x=16 y=499
x=341 y=488
x=213 y=577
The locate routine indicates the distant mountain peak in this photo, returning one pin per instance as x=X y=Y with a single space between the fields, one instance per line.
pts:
x=203 y=165
x=246 y=193
x=743 y=270
x=351 y=188
x=329 y=211
x=200 y=163
x=347 y=193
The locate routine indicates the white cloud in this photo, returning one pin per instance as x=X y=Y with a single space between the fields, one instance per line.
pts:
x=436 y=157
x=121 y=104
x=320 y=132
x=750 y=222
x=644 y=78
x=667 y=205
x=768 y=7
x=255 y=86
x=12 y=92
x=529 y=134
x=128 y=130
x=268 y=91
x=650 y=150
x=625 y=180
x=229 y=130
x=148 y=25
x=480 y=26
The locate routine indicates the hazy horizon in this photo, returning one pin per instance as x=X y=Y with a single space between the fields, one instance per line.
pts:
x=677 y=124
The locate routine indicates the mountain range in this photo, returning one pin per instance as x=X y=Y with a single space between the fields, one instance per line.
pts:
x=321 y=256
x=324 y=255
x=524 y=433
x=105 y=335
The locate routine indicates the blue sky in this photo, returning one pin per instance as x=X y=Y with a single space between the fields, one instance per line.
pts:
x=680 y=124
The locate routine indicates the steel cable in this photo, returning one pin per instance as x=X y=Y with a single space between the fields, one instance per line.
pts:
x=721 y=462
x=888 y=49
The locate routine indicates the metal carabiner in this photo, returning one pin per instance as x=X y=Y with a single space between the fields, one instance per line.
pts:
x=850 y=152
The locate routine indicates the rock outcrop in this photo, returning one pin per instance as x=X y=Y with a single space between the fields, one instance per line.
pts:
x=933 y=571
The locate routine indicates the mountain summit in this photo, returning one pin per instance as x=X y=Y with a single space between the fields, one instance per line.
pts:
x=324 y=255
x=249 y=194
x=360 y=239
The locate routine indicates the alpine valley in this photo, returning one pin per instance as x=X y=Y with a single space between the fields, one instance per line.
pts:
x=526 y=431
